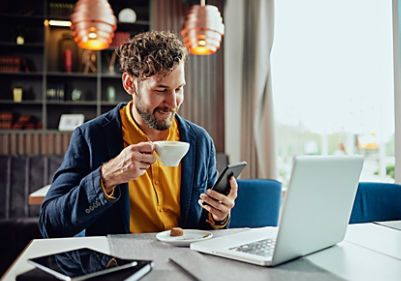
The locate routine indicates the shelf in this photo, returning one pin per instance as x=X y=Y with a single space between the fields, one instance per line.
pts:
x=53 y=17
x=62 y=103
x=4 y=16
x=111 y=76
x=72 y=74
x=28 y=102
x=108 y=103
x=23 y=46
x=41 y=53
x=20 y=73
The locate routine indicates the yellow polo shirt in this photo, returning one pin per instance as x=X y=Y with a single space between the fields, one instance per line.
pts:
x=154 y=196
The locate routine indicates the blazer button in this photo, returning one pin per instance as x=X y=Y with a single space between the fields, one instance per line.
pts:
x=87 y=211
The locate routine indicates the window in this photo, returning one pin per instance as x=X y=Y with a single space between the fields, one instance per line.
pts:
x=332 y=70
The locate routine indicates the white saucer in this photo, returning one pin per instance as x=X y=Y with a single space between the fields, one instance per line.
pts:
x=190 y=236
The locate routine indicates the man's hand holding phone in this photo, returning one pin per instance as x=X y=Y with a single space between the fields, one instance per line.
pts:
x=218 y=204
x=219 y=200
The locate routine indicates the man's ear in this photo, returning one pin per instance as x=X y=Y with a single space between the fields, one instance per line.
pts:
x=128 y=83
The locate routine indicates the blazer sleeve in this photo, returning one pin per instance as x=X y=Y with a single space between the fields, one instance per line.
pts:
x=75 y=199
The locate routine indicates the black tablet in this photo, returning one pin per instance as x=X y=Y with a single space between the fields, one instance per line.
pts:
x=84 y=263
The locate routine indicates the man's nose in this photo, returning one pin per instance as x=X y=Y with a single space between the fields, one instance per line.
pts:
x=171 y=99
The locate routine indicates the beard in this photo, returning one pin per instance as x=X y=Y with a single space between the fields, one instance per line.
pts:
x=150 y=117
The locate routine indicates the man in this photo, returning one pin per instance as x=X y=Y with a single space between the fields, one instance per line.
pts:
x=110 y=181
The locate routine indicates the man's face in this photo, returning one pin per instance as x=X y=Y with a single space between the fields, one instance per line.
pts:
x=158 y=98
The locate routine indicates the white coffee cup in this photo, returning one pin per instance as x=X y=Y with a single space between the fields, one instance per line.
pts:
x=171 y=152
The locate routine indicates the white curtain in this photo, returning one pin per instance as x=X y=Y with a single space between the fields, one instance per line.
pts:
x=397 y=87
x=257 y=138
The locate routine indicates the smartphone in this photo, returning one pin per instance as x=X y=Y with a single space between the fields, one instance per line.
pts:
x=222 y=184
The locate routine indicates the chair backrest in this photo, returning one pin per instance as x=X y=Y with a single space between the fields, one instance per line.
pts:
x=20 y=175
x=376 y=201
x=257 y=204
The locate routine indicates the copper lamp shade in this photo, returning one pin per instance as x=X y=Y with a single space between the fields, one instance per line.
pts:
x=203 y=30
x=93 y=24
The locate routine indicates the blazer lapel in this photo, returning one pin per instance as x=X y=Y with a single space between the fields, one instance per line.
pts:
x=187 y=171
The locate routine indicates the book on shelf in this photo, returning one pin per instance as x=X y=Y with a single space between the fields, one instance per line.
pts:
x=14 y=64
x=6 y=120
x=63 y=9
x=24 y=122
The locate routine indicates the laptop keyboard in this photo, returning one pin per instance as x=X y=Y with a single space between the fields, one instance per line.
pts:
x=262 y=248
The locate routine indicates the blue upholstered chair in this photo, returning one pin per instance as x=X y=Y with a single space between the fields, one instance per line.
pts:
x=376 y=202
x=257 y=204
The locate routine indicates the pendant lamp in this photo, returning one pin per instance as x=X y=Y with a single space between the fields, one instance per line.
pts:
x=93 y=24
x=203 y=29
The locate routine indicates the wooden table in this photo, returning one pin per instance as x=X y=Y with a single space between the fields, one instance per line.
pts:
x=36 y=197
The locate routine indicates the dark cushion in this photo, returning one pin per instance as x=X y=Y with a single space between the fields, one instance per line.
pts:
x=376 y=201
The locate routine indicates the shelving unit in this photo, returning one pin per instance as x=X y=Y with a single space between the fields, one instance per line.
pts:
x=42 y=74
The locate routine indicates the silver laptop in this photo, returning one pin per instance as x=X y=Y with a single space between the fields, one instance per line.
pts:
x=314 y=215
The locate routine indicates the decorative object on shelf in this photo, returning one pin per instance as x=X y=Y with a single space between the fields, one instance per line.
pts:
x=60 y=93
x=111 y=94
x=51 y=94
x=127 y=15
x=17 y=94
x=112 y=61
x=20 y=36
x=20 y=40
x=203 y=29
x=76 y=94
x=89 y=61
x=68 y=61
x=55 y=92
x=93 y=24
x=68 y=122
x=67 y=53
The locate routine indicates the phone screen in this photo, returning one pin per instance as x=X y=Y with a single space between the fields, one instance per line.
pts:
x=222 y=184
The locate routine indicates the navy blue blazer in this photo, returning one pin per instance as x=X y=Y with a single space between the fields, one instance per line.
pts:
x=76 y=202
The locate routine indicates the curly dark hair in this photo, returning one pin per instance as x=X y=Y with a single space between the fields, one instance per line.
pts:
x=150 y=53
